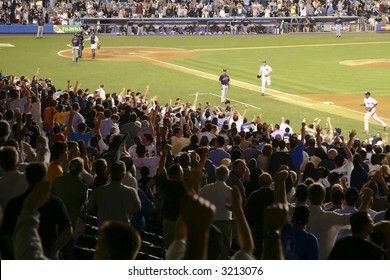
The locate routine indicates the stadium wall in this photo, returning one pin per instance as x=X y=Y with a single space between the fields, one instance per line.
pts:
x=271 y=25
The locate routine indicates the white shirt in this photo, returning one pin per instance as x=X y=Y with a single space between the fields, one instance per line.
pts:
x=265 y=70
x=105 y=127
x=102 y=93
x=325 y=226
x=77 y=119
x=133 y=151
x=369 y=102
x=219 y=194
x=130 y=181
x=151 y=162
x=346 y=170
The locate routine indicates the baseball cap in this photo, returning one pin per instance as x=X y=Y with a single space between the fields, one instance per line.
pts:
x=367 y=93
x=224 y=70
x=264 y=61
x=334 y=176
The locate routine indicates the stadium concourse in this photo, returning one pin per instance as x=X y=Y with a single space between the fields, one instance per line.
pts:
x=169 y=170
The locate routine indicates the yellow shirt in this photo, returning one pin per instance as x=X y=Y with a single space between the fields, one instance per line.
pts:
x=60 y=117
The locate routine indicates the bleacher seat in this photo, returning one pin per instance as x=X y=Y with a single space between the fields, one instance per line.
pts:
x=153 y=238
x=81 y=253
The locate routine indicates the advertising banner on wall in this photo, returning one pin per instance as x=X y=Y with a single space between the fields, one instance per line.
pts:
x=66 y=29
x=332 y=27
x=383 y=27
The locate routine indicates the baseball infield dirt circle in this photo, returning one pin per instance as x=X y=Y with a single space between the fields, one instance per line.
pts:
x=133 y=53
x=368 y=63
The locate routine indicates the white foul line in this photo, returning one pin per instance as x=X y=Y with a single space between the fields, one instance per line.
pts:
x=241 y=84
x=237 y=101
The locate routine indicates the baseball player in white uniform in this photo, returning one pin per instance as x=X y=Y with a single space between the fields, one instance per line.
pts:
x=265 y=75
x=370 y=104
x=94 y=43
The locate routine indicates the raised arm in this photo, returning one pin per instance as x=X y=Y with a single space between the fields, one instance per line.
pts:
x=245 y=239
x=352 y=135
x=280 y=186
x=275 y=217
x=76 y=87
x=27 y=92
x=346 y=146
x=96 y=129
x=163 y=159
x=318 y=136
x=197 y=173
x=245 y=111
x=146 y=92
x=303 y=132
x=21 y=131
x=122 y=93
x=37 y=74
x=27 y=243
x=197 y=214
x=330 y=127
x=195 y=101
x=69 y=125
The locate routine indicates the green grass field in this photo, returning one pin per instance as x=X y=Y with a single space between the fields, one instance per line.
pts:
x=303 y=67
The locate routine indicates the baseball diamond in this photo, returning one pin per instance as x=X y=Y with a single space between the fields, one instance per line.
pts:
x=194 y=62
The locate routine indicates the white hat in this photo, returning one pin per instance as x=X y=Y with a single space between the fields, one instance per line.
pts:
x=138 y=123
x=379 y=143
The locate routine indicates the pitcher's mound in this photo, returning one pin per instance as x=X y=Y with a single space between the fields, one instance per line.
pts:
x=132 y=53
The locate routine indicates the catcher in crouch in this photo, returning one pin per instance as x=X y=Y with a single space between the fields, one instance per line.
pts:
x=265 y=76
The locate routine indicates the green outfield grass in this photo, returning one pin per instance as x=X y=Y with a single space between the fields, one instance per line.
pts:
x=302 y=65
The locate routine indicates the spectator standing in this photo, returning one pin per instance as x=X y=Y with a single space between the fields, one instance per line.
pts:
x=41 y=23
x=114 y=201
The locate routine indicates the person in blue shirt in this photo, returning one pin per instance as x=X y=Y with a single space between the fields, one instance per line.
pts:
x=338 y=22
x=76 y=44
x=224 y=81
x=298 y=244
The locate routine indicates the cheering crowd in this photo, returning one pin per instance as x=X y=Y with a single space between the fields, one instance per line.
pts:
x=219 y=185
x=71 y=12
